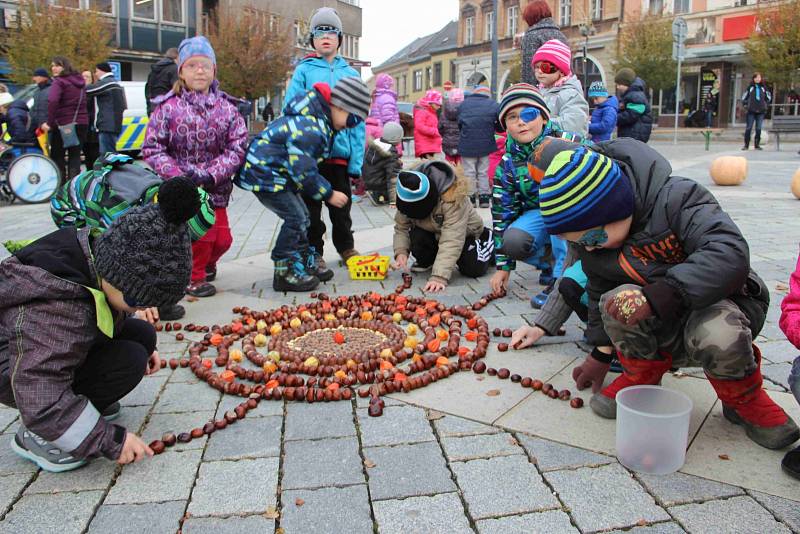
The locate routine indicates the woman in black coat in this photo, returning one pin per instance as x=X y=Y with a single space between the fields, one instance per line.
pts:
x=541 y=28
x=756 y=100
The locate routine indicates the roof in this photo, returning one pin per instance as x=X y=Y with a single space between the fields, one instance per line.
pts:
x=423 y=47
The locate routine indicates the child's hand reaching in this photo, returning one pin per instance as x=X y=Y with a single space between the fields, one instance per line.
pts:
x=499 y=281
x=133 y=450
x=400 y=263
x=153 y=363
x=338 y=199
x=434 y=286
x=148 y=314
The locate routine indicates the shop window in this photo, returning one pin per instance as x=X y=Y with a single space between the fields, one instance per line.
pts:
x=172 y=11
x=144 y=9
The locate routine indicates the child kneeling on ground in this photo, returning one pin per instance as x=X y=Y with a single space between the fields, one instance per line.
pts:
x=69 y=349
x=437 y=223
x=282 y=164
x=669 y=279
x=382 y=163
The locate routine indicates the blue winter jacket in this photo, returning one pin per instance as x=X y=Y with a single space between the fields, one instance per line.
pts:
x=477 y=115
x=604 y=120
x=285 y=156
x=18 y=123
x=348 y=144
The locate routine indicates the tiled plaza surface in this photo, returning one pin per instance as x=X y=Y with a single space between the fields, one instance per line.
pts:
x=446 y=458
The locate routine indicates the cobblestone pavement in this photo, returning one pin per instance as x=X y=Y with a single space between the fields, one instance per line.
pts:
x=446 y=458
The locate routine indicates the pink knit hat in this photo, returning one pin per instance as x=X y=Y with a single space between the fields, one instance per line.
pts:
x=432 y=97
x=556 y=53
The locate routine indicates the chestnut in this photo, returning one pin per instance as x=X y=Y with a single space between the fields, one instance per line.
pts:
x=230 y=416
x=564 y=394
x=537 y=384
x=503 y=373
x=502 y=347
x=516 y=378
x=577 y=402
x=179 y=337
x=497 y=332
x=547 y=388
x=478 y=367
x=173 y=363
x=491 y=371
x=526 y=382
x=168 y=327
x=196 y=433
x=184 y=437
x=157 y=446
x=169 y=439
x=507 y=332
x=553 y=393
x=176 y=326
x=209 y=428
x=375 y=410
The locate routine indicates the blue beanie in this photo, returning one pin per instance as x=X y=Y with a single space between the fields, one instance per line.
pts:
x=195 y=46
x=417 y=195
x=597 y=89
x=582 y=189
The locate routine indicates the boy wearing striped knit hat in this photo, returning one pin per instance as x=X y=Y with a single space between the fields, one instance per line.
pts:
x=562 y=91
x=669 y=279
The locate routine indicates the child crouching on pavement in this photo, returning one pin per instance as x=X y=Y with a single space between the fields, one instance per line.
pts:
x=669 y=279
x=382 y=163
x=282 y=164
x=436 y=222
x=790 y=324
x=69 y=349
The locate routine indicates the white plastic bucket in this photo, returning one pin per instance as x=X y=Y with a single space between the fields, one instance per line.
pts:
x=652 y=429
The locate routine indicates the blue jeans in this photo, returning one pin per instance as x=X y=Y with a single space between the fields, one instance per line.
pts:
x=794 y=379
x=293 y=236
x=531 y=248
x=758 y=119
x=108 y=142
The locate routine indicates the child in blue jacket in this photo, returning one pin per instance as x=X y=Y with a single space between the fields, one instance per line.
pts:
x=281 y=168
x=604 y=115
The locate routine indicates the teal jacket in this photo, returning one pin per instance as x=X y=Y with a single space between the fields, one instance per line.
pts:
x=348 y=144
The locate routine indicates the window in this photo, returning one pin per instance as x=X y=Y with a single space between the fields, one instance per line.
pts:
x=683 y=6
x=427 y=77
x=437 y=74
x=355 y=47
x=452 y=71
x=73 y=4
x=417 y=80
x=512 y=16
x=469 y=30
x=172 y=10
x=404 y=85
x=274 y=23
x=144 y=9
x=102 y=6
x=565 y=13
x=489 y=26
x=299 y=36
x=656 y=7
x=597 y=9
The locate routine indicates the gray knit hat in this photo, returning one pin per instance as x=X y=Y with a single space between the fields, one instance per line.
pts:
x=392 y=133
x=147 y=252
x=325 y=16
x=352 y=95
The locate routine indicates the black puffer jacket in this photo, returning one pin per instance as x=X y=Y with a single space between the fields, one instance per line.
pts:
x=19 y=123
x=683 y=248
x=162 y=77
x=535 y=36
x=39 y=109
x=756 y=98
x=635 y=118
x=381 y=165
x=448 y=127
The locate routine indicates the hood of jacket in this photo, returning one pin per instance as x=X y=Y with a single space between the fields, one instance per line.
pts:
x=611 y=102
x=379 y=150
x=19 y=104
x=451 y=109
x=310 y=103
x=383 y=82
x=638 y=85
x=45 y=85
x=572 y=83
x=546 y=23
x=440 y=173
x=161 y=64
x=315 y=61
x=75 y=80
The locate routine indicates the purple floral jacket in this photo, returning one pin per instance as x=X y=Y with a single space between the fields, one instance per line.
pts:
x=201 y=136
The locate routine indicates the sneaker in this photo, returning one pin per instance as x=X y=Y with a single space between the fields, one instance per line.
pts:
x=541 y=299
x=484 y=201
x=355 y=199
x=291 y=275
x=211 y=274
x=42 y=453
x=347 y=254
x=745 y=147
x=377 y=199
x=419 y=268
x=316 y=266
x=171 y=313
x=111 y=412
x=758 y=147
x=791 y=463
x=474 y=200
x=201 y=289
x=546 y=277
x=616 y=366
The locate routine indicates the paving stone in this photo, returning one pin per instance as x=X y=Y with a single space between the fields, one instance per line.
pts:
x=502 y=486
x=10 y=462
x=552 y=522
x=387 y=400
x=450 y=425
x=180 y=397
x=247 y=438
x=265 y=408
x=230 y=525
x=483 y=446
x=588 y=492
x=778 y=373
x=778 y=351
x=549 y=455
x=10 y=488
x=146 y=392
x=7 y=416
x=63 y=513
x=96 y=475
x=657 y=528
x=397 y=471
x=440 y=514
x=784 y=509
x=240 y=487
x=315 y=421
x=152 y=518
x=399 y=424
x=736 y=515
x=679 y=488
x=327 y=510
x=321 y=463
x=160 y=423
x=166 y=477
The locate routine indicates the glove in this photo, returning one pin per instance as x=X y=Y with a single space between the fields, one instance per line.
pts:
x=590 y=373
x=629 y=307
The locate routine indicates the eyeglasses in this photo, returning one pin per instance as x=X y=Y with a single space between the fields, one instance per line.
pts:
x=196 y=66
x=545 y=67
x=527 y=114
x=593 y=238
x=324 y=31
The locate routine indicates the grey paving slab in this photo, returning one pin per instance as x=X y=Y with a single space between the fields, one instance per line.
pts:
x=552 y=522
x=228 y=525
x=161 y=423
x=10 y=488
x=450 y=425
x=7 y=416
x=737 y=514
x=64 y=513
x=315 y=421
x=327 y=510
x=406 y=470
x=249 y=487
x=399 y=424
x=549 y=455
x=247 y=438
x=146 y=392
x=588 y=491
x=481 y=446
x=10 y=462
x=387 y=400
x=166 y=477
x=152 y=518
x=778 y=373
x=265 y=408
x=96 y=475
x=784 y=509
x=180 y=397
x=322 y=463
x=778 y=351
x=502 y=486
x=440 y=514
x=679 y=488
x=657 y=528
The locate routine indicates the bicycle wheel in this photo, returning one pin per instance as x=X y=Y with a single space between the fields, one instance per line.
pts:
x=33 y=178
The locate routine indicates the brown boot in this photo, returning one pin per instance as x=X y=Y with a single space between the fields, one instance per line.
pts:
x=349 y=253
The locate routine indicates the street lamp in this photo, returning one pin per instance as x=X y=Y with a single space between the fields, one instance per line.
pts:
x=586 y=31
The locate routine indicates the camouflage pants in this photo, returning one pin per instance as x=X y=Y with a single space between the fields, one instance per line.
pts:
x=716 y=338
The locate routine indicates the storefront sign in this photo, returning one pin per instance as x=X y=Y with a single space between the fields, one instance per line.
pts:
x=735 y=28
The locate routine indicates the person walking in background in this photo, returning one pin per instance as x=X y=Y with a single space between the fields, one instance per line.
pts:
x=90 y=147
x=541 y=28
x=561 y=89
x=196 y=131
x=427 y=139
x=268 y=114
x=756 y=99
x=448 y=125
x=384 y=102
x=109 y=101
x=634 y=118
x=604 y=115
x=477 y=117
x=66 y=104
x=711 y=104
x=162 y=77
x=39 y=109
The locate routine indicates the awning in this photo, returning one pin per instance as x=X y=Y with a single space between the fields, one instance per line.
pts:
x=734 y=52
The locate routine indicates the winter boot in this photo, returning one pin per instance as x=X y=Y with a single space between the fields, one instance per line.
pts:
x=745 y=403
x=635 y=372
x=474 y=200
x=546 y=277
x=538 y=301
x=758 y=140
x=291 y=275
x=791 y=463
x=316 y=266
x=485 y=201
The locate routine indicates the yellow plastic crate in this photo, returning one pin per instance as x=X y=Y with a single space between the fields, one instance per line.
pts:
x=371 y=267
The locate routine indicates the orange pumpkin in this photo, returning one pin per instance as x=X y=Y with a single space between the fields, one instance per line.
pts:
x=796 y=184
x=400 y=377
x=729 y=170
x=333 y=386
x=472 y=322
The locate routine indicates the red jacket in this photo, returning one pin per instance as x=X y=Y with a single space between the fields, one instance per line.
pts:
x=427 y=139
x=790 y=309
x=63 y=99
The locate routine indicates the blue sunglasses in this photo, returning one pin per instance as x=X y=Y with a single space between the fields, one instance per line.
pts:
x=321 y=31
